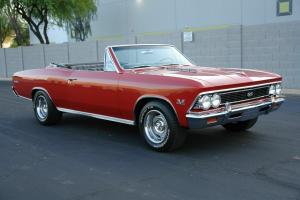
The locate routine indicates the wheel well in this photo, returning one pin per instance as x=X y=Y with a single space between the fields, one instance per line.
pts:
x=142 y=102
x=35 y=90
x=33 y=93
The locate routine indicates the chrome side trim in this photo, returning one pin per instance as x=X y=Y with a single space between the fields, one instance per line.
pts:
x=229 y=89
x=25 y=98
x=14 y=91
x=17 y=95
x=227 y=111
x=104 y=117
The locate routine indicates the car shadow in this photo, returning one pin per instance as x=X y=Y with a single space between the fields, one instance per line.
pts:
x=212 y=139
x=91 y=127
x=217 y=138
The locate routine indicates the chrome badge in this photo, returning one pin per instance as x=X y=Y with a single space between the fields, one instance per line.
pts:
x=250 y=94
x=180 y=102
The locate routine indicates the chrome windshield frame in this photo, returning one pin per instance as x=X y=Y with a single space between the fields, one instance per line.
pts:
x=139 y=45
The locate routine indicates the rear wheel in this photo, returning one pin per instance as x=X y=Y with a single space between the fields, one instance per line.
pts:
x=159 y=127
x=44 y=109
x=240 y=126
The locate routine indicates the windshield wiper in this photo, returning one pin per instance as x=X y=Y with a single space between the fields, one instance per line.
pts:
x=141 y=66
x=172 y=64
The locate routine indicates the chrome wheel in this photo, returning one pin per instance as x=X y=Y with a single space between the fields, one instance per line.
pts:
x=156 y=127
x=41 y=107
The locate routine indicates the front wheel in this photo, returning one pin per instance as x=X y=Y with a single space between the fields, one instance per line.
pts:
x=159 y=127
x=240 y=126
x=44 y=110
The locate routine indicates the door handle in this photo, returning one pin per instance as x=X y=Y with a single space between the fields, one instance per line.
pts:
x=70 y=80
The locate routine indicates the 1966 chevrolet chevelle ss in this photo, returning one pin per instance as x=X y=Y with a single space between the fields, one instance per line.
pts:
x=154 y=87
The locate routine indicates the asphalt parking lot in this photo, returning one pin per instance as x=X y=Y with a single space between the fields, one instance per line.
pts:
x=84 y=158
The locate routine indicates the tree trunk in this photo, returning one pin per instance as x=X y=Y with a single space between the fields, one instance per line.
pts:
x=2 y=38
x=35 y=27
x=36 y=31
x=2 y=41
x=46 y=27
x=17 y=30
x=14 y=23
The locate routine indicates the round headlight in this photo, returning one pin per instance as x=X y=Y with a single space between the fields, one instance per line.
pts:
x=205 y=102
x=272 y=90
x=278 y=89
x=215 y=100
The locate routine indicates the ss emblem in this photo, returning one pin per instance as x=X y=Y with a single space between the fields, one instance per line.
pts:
x=250 y=94
x=180 y=102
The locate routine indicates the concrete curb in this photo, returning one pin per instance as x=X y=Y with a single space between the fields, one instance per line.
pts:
x=291 y=91
x=5 y=79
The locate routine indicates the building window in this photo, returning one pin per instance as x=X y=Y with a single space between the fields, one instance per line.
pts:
x=284 y=7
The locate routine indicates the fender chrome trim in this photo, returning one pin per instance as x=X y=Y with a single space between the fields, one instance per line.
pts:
x=104 y=117
x=155 y=97
x=44 y=90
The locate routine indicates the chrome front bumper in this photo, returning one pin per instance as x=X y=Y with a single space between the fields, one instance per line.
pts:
x=233 y=113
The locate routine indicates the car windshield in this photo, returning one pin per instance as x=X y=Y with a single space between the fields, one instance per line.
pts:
x=131 y=57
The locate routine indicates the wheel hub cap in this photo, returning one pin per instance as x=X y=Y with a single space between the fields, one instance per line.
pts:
x=41 y=107
x=156 y=127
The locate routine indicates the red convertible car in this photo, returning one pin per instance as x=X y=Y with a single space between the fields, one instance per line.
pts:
x=154 y=87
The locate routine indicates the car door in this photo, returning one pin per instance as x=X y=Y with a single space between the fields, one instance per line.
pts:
x=57 y=85
x=95 y=92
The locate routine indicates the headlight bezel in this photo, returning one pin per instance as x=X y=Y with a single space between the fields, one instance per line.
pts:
x=272 y=89
x=278 y=89
x=215 y=97
x=205 y=102
x=275 y=89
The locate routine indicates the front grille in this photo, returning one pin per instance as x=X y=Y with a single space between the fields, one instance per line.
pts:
x=244 y=94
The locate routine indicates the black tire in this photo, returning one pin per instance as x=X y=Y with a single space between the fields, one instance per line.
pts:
x=175 y=134
x=52 y=116
x=240 y=126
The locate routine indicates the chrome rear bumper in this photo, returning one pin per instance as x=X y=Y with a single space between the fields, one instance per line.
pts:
x=233 y=113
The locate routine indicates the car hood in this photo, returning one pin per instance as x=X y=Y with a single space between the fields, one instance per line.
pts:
x=209 y=76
